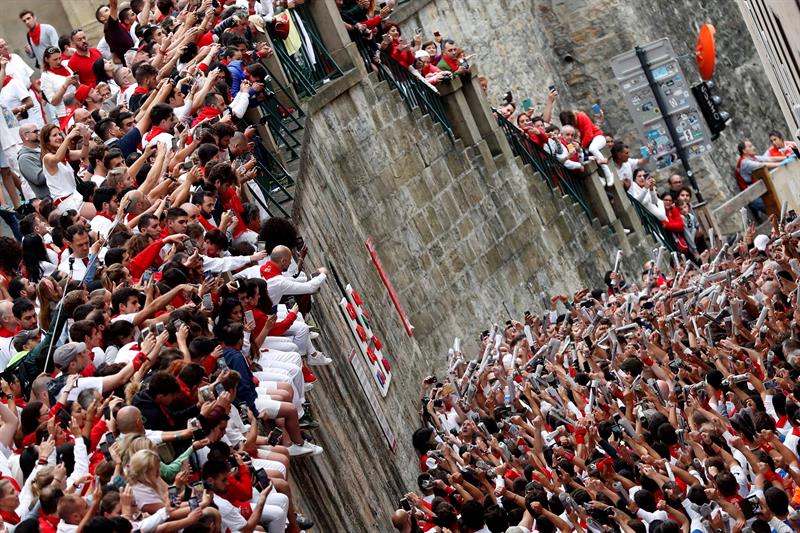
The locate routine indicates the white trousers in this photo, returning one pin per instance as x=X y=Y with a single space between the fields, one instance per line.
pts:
x=597 y=144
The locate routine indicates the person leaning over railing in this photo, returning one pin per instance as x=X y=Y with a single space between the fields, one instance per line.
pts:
x=398 y=48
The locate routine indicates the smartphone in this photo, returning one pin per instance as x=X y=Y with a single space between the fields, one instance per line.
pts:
x=146 y=277
x=274 y=436
x=405 y=505
x=207 y=303
x=64 y=418
x=219 y=388
x=596 y=109
x=248 y=317
x=173 y=495
x=107 y=416
x=262 y=480
x=197 y=488
x=261 y=246
x=198 y=434
x=551 y=88
x=160 y=327
x=193 y=503
x=110 y=439
x=244 y=412
x=222 y=365
x=205 y=393
x=104 y=450
x=178 y=323
x=527 y=105
x=189 y=246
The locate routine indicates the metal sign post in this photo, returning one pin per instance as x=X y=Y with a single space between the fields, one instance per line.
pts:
x=661 y=102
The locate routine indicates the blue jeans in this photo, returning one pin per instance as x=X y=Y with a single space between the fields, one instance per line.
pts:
x=10 y=218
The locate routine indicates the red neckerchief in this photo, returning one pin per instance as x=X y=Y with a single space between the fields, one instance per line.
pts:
x=270 y=270
x=47 y=523
x=207 y=112
x=109 y=217
x=61 y=70
x=11 y=518
x=35 y=34
x=141 y=90
x=205 y=223
x=7 y=80
x=453 y=64
x=155 y=131
x=781 y=422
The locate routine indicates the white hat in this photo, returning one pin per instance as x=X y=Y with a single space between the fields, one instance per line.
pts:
x=421 y=54
x=761 y=242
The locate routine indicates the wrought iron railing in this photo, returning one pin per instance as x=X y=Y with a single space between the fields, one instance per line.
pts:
x=275 y=182
x=653 y=226
x=311 y=66
x=414 y=90
x=554 y=173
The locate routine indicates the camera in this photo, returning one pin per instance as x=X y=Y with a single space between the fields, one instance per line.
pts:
x=508 y=98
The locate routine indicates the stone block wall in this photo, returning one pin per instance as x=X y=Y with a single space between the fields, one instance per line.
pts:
x=526 y=45
x=458 y=235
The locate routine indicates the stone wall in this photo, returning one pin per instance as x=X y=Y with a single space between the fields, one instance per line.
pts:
x=525 y=45
x=459 y=234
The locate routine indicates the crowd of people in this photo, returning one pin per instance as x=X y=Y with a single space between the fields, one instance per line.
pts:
x=664 y=403
x=155 y=343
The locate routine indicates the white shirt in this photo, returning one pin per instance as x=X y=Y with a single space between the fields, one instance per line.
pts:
x=281 y=286
x=101 y=225
x=51 y=83
x=18 y=69
x=163 y=137
x=232 y=519
x=83 y=384
x=625 y=170
x=12 y=95
x=78 y=267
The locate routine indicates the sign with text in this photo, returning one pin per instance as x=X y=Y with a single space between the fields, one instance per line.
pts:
x=680 y=107
x=369 y=345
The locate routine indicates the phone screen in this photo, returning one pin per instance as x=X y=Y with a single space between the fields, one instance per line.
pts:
x=248 y=316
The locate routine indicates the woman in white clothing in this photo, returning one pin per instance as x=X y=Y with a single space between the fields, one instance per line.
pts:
x=56 y=153
x=643 y=189
x=58 y=81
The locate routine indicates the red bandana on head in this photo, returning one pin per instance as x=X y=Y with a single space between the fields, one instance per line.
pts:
x=270 y=270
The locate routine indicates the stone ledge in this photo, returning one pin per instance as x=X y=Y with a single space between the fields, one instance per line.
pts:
x=407 y=10
x=333 y=90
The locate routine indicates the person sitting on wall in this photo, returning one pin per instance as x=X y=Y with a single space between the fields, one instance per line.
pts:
x=748 y=163
x=592 y=139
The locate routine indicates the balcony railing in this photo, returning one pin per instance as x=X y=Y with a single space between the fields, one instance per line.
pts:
x=653 y=226
x=274 y=181
x=554 y=173
x=414 y=90
x=310 y=66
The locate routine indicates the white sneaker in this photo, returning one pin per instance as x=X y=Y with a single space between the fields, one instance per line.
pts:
x=296 y=450
x=314 y=449
x=314 y=335
x=319 y=359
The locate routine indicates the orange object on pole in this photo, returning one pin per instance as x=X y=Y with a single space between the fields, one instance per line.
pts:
x=705 y=51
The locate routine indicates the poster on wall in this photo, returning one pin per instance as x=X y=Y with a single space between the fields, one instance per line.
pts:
x=368 y=344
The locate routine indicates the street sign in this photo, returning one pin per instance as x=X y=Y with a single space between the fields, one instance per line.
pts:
x=680 y=107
